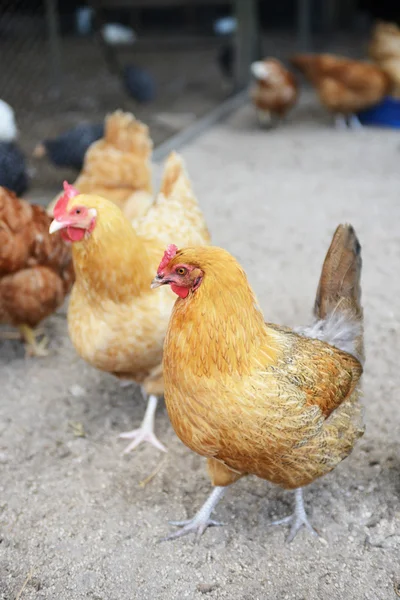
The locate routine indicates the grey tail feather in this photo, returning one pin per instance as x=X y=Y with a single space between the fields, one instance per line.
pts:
x=337 y=310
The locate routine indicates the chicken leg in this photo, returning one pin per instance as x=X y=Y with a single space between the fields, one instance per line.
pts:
x=298 y=518
x=201 y=520
x=264 y=118
x=354 y=122
x=145 y=433
x=340 y=122
x=33 y=347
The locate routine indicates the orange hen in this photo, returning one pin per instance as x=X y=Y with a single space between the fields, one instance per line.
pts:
x=344 y=86
x=115 y=322
x=118 y=167
x=384 y=49
x=275 y=92
x=257 y=398
x=36 y=270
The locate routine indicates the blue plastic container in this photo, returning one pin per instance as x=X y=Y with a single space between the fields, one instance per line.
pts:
x=385 y=114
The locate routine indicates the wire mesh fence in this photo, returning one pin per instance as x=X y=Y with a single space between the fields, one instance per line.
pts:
x=55 y=74
x=55 y=83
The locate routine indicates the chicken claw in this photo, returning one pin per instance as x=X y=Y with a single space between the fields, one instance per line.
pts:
x=201 y=520
x=354 y=122
x=33 y=347
x=297 y=519
x=145 y=433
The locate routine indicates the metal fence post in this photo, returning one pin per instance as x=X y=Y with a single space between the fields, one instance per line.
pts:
x=304 y=24
x=246 y=40
x=53 y=32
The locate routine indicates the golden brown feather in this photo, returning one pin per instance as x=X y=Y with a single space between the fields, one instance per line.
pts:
x=275 y=91
x=118 y=167
x=257 y=398
x=344 y=86
x=116 y=322
x=384 y=49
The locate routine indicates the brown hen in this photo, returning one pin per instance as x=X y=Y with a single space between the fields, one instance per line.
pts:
x=275 y=91
x=257 y=398
x=36 y=270
x=345 y=87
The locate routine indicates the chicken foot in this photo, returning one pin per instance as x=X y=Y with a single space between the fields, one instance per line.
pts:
x=201 y=520
x=33 y=347
x=145 y=433
x=264 y=118
x=347 y=122
x=298 y=518
x=354 y=122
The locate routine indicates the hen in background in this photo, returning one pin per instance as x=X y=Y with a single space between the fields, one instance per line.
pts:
x=118 y=166
x=115 y=322
x=344 y=87
x=257 y=398
x=69 y=148
x=13 y=171
x=36 y=270
x=275 y=92
x=384 y=49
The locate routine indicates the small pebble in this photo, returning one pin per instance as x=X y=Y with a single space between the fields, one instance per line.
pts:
x=206 y=588
x=77 y=391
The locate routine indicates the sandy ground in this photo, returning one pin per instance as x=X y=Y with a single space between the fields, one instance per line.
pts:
x=76 y=521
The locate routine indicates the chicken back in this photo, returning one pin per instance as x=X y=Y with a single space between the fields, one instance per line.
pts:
x=36 y=270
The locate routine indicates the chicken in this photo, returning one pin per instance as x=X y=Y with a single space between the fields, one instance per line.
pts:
x=36 y=270
x=13 y=171
x=257 y=398
x=118 y=166
x=384 y=49
x=115 y=322
x=69 y=148
x=344 y=86
x=275 y=92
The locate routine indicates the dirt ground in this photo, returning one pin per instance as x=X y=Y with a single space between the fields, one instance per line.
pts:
x=77 y=520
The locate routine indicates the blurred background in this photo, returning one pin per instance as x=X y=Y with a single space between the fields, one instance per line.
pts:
x=64 y=62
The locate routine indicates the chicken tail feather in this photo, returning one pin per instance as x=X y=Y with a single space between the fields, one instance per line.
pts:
x=174 y=169
x=337 y=310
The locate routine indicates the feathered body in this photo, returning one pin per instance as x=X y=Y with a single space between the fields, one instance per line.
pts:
x=8 y=125
x=256 y=397
x=115 y=322
x=118 y=166
x=13 y=172
x=36 y=270
x=275 y=91
x=69 y=148
x=344 y=86
x=384 y=49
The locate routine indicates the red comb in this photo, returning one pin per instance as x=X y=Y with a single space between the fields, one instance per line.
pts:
x=61 y=206
x=168 y=255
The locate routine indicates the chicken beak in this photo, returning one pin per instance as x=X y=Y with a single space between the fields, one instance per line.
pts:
x=57 y=225
x=157 y=282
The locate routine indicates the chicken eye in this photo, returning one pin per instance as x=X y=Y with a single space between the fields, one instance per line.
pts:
x=181 y=271
x=78 y=211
